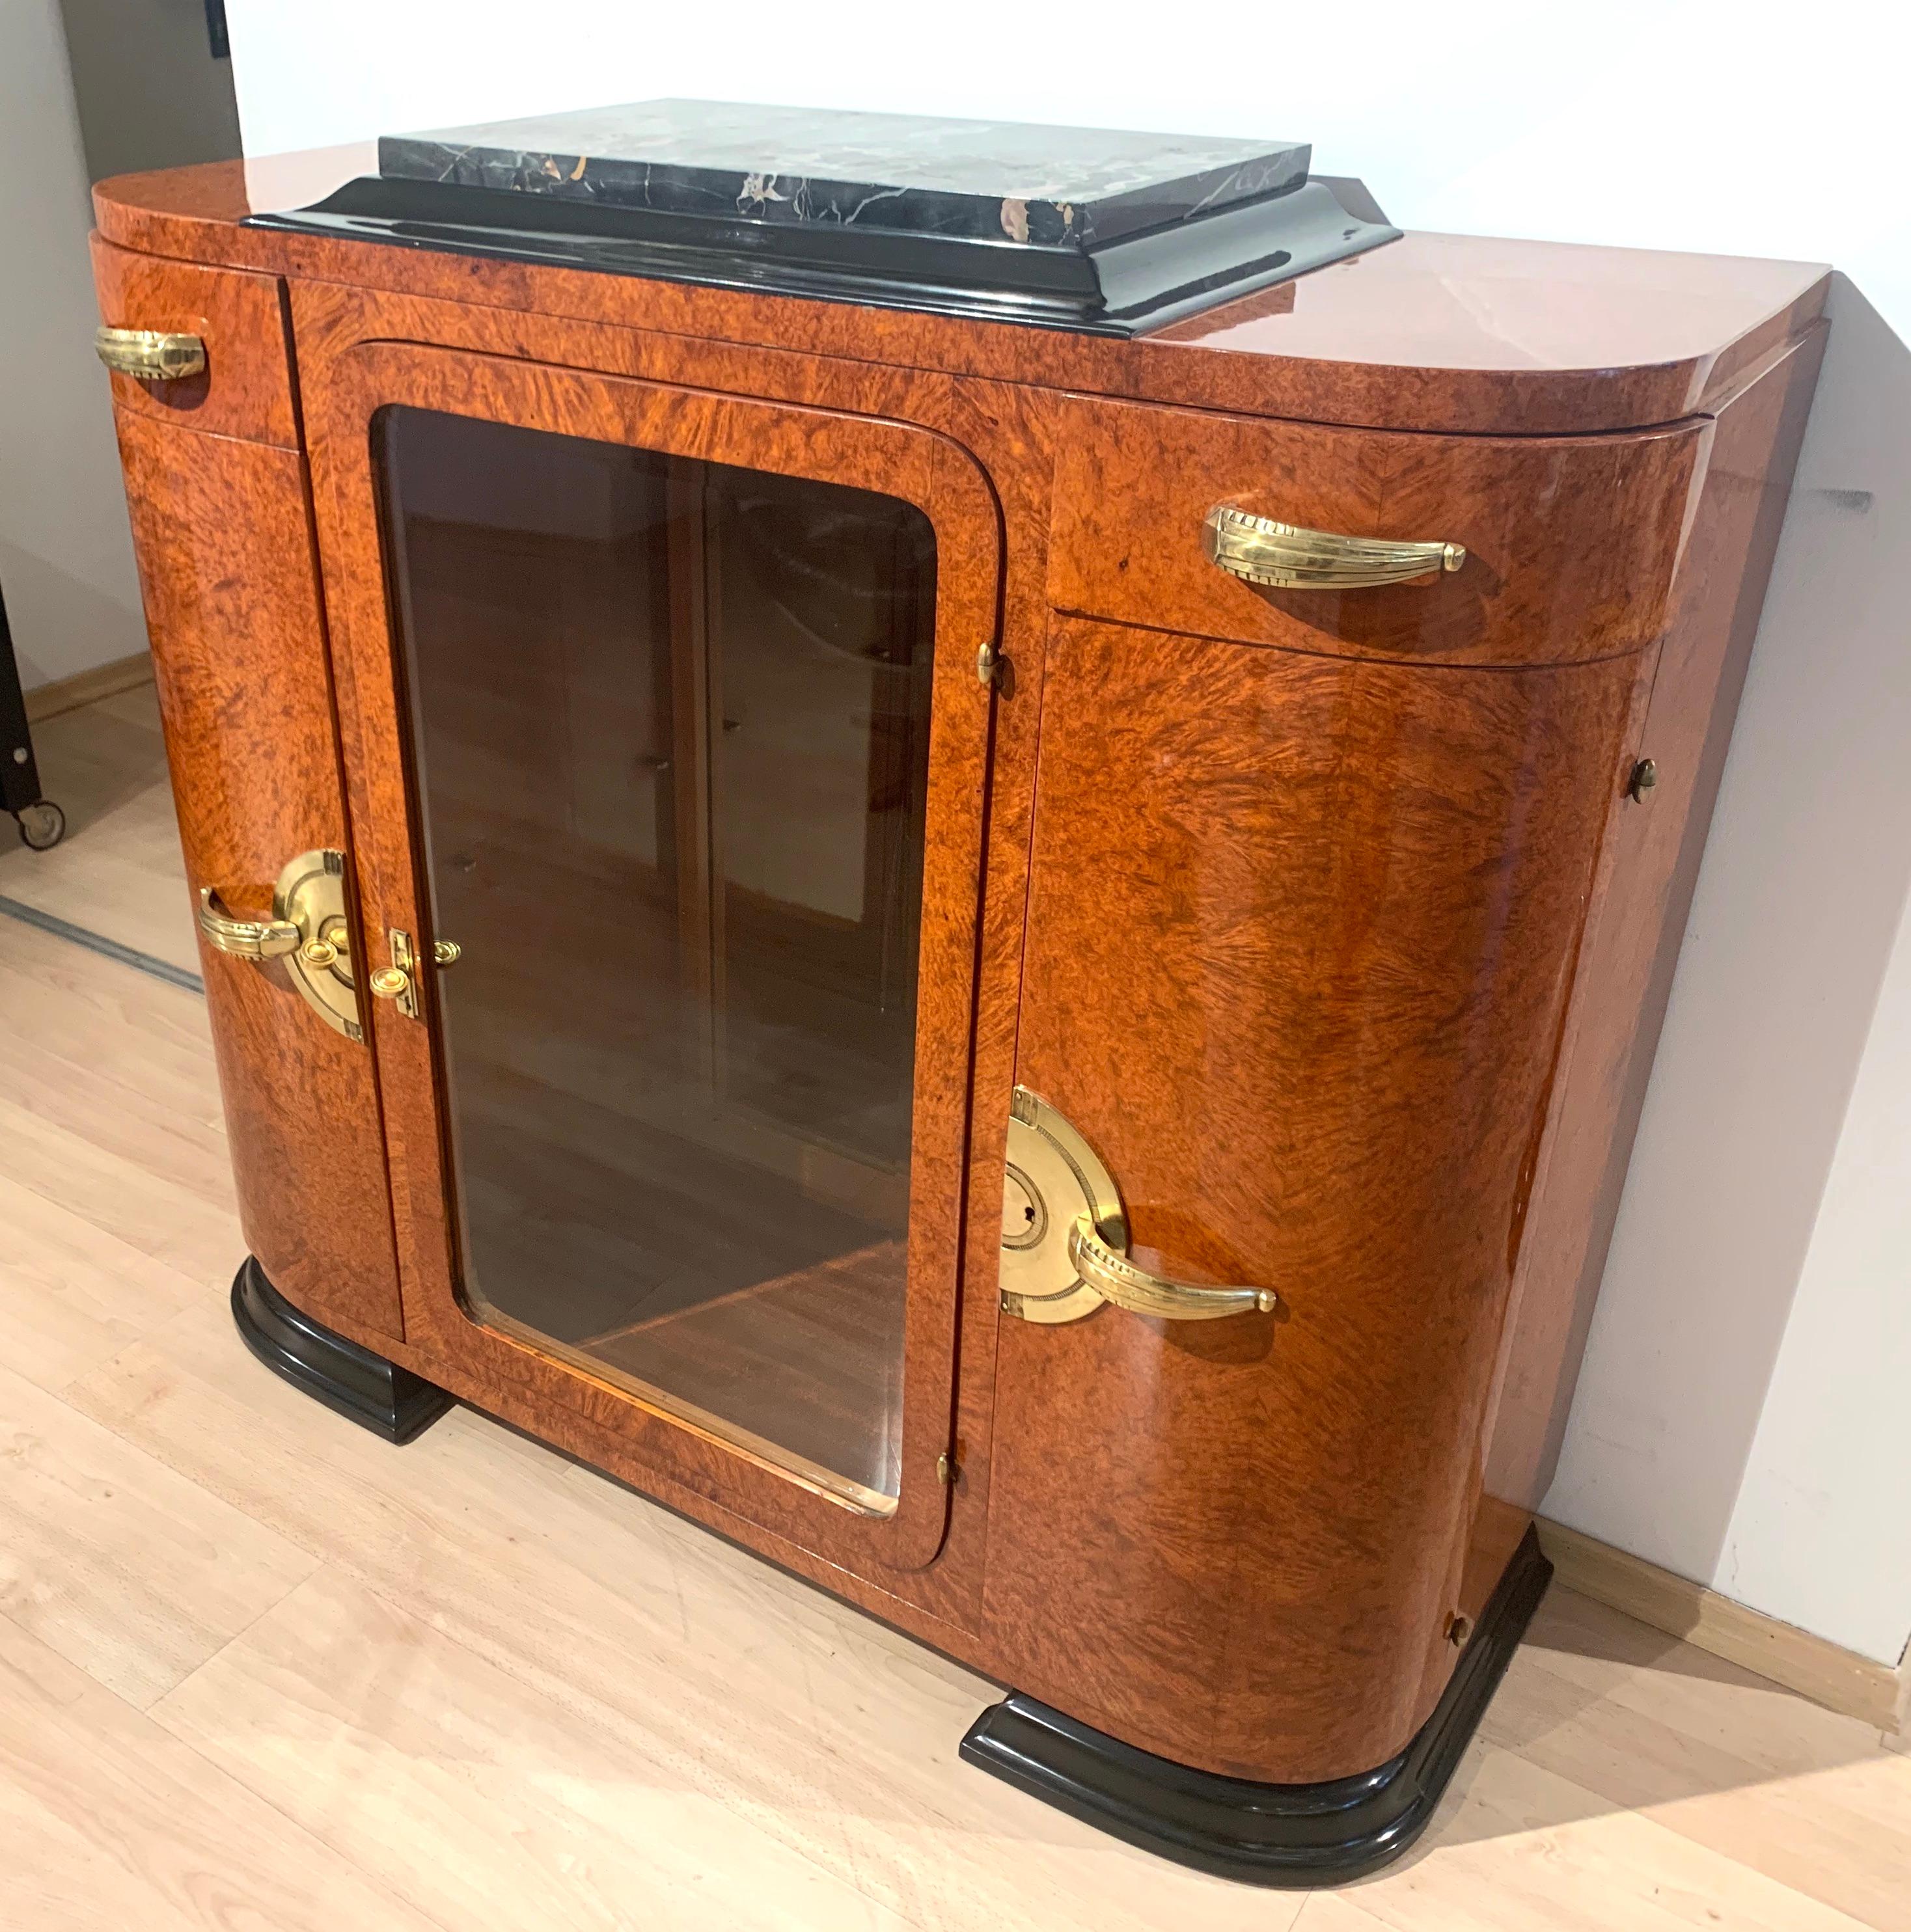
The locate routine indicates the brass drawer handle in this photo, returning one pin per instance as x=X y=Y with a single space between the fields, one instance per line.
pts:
x=307 y=930
x=1284 y=556
x=149 y=354
x=1116 y=1279
x=1064 y=1233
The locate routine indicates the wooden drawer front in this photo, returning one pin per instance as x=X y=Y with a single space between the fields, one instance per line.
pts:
x=1571 y=540
x=220 y=532
x=245 y=389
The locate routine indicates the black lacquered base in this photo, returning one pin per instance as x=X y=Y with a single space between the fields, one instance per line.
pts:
x=389 y=1400
x=1273 y=1835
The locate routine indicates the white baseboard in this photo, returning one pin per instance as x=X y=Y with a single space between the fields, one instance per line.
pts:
x=1839 y=1679
x=87 y=687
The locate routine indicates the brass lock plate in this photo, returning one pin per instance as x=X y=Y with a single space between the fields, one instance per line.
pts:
x=1064 y=1236
x=1053 y=1178
x=310 y=893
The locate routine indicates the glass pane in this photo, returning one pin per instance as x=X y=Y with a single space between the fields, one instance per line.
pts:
x=670 y=723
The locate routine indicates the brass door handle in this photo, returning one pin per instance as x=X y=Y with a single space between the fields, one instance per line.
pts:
x=1064 y=1232
x=308 y=931
x=1284 y=557
x=1116 y=1279
x=151 y=355
x=244 y=938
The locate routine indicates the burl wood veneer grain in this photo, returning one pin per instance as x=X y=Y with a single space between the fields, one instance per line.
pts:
x=1649 y=868
x=344 y=393
x=1237 y=1544
x=1570 y=541
x=221 y=532
x=245 y=389
x=1006 y=427
x=1300 y=932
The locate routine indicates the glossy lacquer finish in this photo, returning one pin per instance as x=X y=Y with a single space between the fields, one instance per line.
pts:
x=1326 y=917
x=1463 y=333
x=222 y=531
x=245 y=389
x=1569 y=541
x=747 y=1463
x=1300 y=932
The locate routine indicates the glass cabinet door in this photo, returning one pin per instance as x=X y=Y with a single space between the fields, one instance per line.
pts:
x=668 y=721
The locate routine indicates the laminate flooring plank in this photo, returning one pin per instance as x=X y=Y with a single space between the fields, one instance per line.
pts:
x=812 y=1724
x=77 y=1003
x=1707 y=1750
x=121 y=1194
x=118 y=870
x=1516 y=1848
x=116 y=1562
x=480 y=1800
x=141 y=1120
x=110 y=1824
x=72 y=1295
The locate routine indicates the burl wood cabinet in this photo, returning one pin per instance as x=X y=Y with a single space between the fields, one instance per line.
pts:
x=1008 y=953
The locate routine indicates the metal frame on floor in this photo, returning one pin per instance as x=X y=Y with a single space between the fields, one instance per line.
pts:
x=42 y=823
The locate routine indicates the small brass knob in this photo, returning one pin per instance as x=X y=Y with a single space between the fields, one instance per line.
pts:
x=388 y=982
x=446 y=951
x=319 y=952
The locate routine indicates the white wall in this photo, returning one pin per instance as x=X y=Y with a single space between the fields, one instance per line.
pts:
x=151 y=93
x=66 y=558
x=1743 y=1417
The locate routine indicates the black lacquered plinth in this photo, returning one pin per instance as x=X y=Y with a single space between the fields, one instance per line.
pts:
x=390 y=1401
x=1271 y=1834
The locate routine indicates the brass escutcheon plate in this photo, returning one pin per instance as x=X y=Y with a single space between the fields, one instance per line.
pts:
x=310 y=893
x=1053 y=1178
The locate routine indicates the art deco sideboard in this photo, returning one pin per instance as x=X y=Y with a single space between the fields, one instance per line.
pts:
x=974 y=876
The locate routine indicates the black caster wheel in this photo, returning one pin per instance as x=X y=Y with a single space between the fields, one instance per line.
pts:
x=42 y=825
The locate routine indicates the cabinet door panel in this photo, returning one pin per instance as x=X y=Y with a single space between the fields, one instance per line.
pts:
x=667 y=718
x=1299 y=933
x=221 y=529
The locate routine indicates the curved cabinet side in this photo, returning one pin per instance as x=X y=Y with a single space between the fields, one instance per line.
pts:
x=1649 y=871
x=1300 y=932
x=221 y=532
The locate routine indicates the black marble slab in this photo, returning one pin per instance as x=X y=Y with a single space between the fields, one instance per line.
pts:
x=982 y=181
x=1092 y=229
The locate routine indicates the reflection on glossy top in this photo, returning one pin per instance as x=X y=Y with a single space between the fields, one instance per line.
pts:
x=1530 y=337
x=1469 y=301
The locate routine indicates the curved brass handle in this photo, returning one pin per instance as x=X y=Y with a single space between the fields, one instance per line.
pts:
x=149 y=354
x=244 y=938
x=1064 y=1232
x=1284 y=557
x=1116 y=1279
x=308 y=931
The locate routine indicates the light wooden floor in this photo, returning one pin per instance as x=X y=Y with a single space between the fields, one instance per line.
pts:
x=259 y=1669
